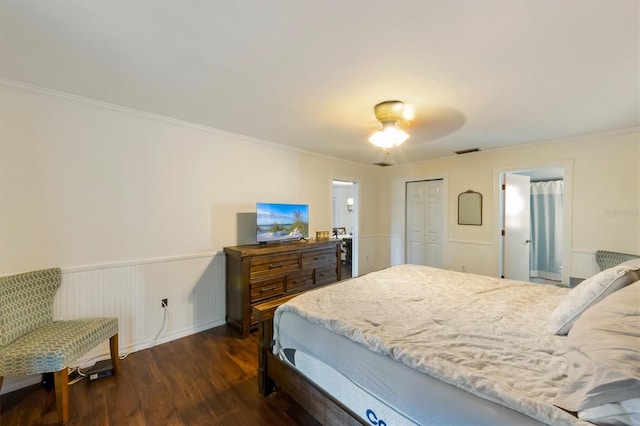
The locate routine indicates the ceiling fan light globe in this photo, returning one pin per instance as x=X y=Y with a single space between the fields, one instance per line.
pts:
x=379 y=140
x=388 y=138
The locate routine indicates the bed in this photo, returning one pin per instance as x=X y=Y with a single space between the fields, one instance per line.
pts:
x=418 y=345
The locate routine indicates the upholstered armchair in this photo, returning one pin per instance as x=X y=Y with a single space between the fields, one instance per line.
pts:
x=609 y=259
x=31 y=342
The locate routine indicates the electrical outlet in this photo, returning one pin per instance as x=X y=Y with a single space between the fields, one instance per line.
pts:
x=165 y=303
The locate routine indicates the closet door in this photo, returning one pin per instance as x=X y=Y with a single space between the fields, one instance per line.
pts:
x=424 y=207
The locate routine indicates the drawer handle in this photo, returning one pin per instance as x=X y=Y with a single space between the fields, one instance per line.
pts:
x=263 y=289
x=299 y=280
x=275 y=265
x=319 y=257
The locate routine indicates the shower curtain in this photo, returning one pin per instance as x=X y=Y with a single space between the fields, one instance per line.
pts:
x=546 y=230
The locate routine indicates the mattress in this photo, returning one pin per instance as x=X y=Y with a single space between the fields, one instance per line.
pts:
x=377 y=387
x=431 y=346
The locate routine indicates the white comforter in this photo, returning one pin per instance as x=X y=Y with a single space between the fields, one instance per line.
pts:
x=485 y=335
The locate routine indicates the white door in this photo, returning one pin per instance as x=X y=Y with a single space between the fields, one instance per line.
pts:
x=516 y=238
x=424 y=209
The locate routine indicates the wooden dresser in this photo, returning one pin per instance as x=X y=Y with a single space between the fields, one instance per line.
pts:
x=256 y=274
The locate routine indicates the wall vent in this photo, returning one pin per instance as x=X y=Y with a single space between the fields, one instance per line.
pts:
x=466 y=151
x=382 y=164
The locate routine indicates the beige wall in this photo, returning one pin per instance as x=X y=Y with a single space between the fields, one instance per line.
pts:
x=84 y=183
x=605 y=198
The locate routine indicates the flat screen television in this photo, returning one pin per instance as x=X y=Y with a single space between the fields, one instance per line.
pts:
x=281 y=222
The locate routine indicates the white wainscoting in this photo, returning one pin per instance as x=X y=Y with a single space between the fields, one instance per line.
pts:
x=583 y=263
x=374 y=253
x=194 y=286
x=476 y=257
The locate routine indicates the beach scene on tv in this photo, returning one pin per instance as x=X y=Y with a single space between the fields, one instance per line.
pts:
x=277 y=222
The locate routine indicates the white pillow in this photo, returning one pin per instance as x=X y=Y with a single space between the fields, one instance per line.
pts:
x=591 y=291
x=603 y=354
x=615 y=413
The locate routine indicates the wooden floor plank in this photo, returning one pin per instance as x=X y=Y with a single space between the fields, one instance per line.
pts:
x=209 y=378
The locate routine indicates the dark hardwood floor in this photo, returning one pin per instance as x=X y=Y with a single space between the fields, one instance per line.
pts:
x=208 y=378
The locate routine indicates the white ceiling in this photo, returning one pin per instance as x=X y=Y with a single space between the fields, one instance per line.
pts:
x=480 y=73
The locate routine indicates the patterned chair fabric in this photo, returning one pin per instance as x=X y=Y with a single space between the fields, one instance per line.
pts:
x=609 y=259
x=31 y=342
x=54 y=346
x=26 y=302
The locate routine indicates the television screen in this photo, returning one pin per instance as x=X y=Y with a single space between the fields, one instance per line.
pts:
x=278 y=222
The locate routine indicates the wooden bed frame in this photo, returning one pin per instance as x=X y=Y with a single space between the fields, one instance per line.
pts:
x=274 y=374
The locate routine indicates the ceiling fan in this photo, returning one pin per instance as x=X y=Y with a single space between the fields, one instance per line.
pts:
x=392 y=115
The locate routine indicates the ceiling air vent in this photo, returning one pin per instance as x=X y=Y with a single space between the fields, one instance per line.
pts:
x=466 y=151
x=382 y=164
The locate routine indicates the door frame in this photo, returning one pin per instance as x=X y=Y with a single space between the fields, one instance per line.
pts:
x=355 y=259
x=567 y=247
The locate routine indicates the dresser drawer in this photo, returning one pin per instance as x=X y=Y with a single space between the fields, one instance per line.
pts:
x=267 y=288
x=256 y=274
x=326 y=275
x=316 y=258
x=299 y=282
x=270 y=265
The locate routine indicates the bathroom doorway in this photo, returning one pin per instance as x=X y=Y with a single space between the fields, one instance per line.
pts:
x=344 y=224
x=535 y=225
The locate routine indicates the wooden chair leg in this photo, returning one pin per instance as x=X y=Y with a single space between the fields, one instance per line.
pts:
x=115 y=358
x=61 y=380
x=1 y=379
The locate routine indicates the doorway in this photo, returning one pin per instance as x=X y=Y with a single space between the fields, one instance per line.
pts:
x=344 y=224
x=535 y=244
x=425 y=222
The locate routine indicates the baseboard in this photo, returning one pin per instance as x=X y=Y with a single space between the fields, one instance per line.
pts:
x=178 y=334
x=11 y=384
